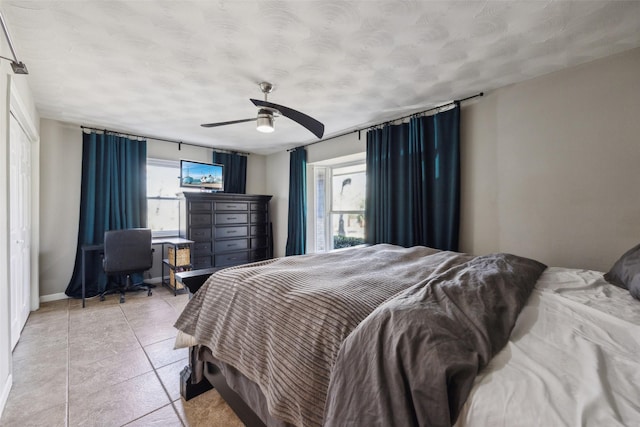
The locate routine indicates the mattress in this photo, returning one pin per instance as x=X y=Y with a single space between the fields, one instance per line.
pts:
x=572 y=359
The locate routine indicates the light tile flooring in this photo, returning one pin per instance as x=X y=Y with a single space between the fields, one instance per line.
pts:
x=108 y=364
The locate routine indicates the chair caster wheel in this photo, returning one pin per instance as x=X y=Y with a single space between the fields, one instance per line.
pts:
x=101 y=297
x=121 y=299
x=149 y=293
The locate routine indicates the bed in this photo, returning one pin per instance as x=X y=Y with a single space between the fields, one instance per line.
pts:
x=385 y=335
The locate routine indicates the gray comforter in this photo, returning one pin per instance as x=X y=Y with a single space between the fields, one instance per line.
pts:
x=413 y=361
x=371 y=321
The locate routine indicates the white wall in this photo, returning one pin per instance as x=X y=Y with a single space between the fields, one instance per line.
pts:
x=5 y=319
x=550 y=166
x=26 y=99
x=60 y=176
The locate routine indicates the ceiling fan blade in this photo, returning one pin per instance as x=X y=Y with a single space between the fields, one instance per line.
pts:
x=310 y=123
x=232 y=122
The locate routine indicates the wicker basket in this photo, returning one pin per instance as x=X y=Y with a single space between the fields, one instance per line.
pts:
x=172 y=279
x=182 y=257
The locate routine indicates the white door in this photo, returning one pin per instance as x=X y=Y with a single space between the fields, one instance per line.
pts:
x=19 y=227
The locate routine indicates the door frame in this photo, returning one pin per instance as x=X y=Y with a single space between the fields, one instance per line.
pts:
x=18 y=109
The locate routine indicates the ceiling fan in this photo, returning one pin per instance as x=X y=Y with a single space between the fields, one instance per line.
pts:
x=267 y=111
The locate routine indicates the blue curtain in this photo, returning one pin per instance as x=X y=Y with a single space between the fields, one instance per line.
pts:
x=235 y=171
x=297 y=226
x=113 y=197
x=413 y=182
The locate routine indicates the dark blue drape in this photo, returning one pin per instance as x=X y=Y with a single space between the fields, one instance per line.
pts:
x=297 y=226
x=235 y=171
x=413 y=182
x=113 y=197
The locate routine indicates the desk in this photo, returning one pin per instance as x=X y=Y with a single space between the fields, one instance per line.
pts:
x=100 y=248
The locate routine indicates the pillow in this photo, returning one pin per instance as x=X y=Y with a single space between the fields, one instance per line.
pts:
x=625 y=273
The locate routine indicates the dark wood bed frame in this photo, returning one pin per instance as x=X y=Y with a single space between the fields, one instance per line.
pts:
x=213 y=378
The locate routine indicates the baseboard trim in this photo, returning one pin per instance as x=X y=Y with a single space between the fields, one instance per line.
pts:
x=53 y=297
x=5 y=393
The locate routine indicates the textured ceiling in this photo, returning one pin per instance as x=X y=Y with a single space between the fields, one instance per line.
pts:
x=161 y=68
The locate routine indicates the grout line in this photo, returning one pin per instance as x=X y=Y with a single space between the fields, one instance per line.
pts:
x=155 y=371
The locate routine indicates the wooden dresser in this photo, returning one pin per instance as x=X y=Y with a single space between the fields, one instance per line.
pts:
x=227 y=229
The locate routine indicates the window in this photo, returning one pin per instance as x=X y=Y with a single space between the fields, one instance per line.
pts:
x=338 y=205
x=163 y=185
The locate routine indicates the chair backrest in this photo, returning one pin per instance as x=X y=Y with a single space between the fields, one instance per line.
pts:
x=127 y=251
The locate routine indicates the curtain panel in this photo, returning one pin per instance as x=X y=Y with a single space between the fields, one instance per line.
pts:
x=413 y=182
x=113 y=197
x=297 y=225
x=235 y=171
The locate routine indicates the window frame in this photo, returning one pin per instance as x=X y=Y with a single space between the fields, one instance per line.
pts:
x=165 y=163
x=328 y=167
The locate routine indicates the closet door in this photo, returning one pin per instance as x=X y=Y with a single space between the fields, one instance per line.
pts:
x=19 y=227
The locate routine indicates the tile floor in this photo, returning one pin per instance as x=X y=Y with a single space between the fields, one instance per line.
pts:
x=108 y=364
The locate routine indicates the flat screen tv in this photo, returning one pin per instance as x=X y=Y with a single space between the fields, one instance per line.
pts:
x=206 y=176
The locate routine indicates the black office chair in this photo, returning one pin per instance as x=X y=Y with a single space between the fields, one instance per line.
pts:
x=125 y=252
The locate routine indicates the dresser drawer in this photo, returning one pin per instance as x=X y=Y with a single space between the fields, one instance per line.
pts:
x=228 y=206
x=225 y=232
x=202 y=262
x=200 y=234
x=199 y=206
x=258 y=218
x=258 y=230
x=196 y=219
x=231 y=218
x=258 y=242
x=258 y=207
x=201 y=248
x=231 y=259
x=230 y=245
x=258 y=255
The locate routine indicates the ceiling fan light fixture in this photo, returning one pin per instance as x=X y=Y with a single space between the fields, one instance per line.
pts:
x=265 y=121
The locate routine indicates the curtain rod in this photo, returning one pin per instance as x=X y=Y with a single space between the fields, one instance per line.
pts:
x=391 y=121
x=180 y=143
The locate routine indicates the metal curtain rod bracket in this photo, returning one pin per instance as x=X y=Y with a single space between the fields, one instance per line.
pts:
x=17 y=66
x=180 y=143
x=418 y=114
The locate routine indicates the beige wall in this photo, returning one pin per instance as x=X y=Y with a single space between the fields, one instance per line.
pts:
x=278 y=187
x=278 y=179
x=550 y=166
x=547 y=171
x=60 y=176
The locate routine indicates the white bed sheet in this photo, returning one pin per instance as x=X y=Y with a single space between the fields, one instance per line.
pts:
x=573 y=359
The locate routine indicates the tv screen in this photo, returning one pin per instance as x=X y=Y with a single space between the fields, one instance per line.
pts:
x=206 y=176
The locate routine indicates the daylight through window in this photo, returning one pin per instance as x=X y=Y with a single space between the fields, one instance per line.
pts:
x=339 y=206
x=163 y=185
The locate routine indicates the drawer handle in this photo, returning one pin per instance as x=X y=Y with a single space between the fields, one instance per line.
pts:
x=230 y=245
x=232 y=231
x=231 y=217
